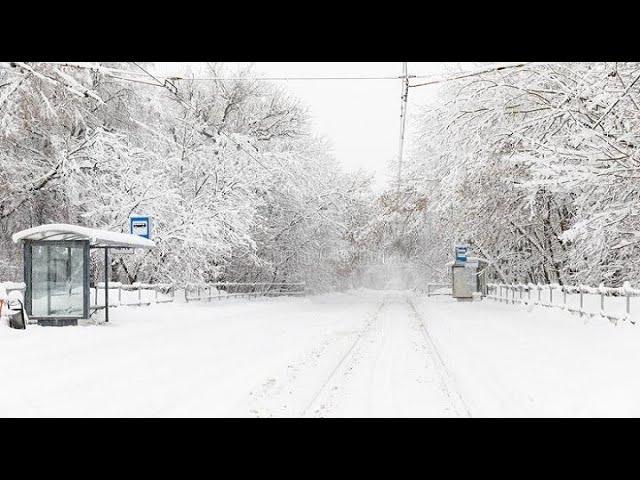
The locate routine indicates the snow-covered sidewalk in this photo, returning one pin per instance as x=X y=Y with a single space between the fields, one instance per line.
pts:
x=200 y=359
x=513 y=361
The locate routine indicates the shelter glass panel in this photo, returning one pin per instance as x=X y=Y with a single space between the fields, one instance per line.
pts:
x=57 y=279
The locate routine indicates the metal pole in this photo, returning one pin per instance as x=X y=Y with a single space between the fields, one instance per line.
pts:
x=521 y=294
x=628 y=303
x=403 y=119
x=106 y=285
x=581 y=300
x=47 y=248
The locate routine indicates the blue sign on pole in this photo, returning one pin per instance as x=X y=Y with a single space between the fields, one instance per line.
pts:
x=461 y=253
x=140 y=225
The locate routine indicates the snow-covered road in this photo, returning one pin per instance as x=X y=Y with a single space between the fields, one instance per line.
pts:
x=362 y=353
x=392 y=369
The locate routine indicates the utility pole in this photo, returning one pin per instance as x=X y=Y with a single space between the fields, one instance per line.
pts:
x=403 y=118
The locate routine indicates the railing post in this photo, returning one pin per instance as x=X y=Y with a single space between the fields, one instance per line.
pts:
x=120 y=294
x=199 y=293
x=564 y=296
x=521 y=295
x=550 y=294
x=601 y=297
x=139 y=295
x=156 y=290
x=628 y=303
x=581 y=300
x=539 y=287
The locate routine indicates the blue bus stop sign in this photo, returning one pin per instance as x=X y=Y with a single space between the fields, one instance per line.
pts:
x=461 y=253
x=140 y=225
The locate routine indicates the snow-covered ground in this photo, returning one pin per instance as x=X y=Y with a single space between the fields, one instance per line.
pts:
x=510 y=360
x=362 y=353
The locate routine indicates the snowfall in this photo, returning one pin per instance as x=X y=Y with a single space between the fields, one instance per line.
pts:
x=363 y=353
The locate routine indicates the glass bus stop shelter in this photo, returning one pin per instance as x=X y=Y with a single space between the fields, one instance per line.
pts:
x=56 y=269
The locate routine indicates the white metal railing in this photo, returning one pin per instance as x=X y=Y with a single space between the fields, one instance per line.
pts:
x=432 y=287
x=570 y=298
x=167 y=291
x=226 y=290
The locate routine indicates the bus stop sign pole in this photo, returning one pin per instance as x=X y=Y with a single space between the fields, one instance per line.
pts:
x=106 y=285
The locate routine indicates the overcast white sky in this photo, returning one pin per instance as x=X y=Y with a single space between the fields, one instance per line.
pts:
x=361 y=118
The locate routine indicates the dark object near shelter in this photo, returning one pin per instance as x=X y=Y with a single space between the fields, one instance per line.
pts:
x=16 y=314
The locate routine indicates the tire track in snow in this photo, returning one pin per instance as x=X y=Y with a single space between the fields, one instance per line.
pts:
x=447 y=380
x=345 y=357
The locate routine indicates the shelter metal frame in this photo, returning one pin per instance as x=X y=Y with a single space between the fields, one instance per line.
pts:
x=86 y=307
x=71 y=236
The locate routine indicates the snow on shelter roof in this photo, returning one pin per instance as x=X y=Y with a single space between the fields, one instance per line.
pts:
x=97 y=238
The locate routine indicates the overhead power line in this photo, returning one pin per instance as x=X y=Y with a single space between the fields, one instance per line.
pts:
x=432 y=79
x=460 y=76
x=204 y=79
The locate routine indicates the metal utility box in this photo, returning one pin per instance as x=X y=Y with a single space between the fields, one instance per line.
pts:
x=464 y=280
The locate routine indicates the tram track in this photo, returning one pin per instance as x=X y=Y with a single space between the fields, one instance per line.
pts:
x=447 y=380
x=343 y=359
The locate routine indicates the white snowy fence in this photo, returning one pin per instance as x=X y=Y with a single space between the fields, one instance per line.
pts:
x=143 y=294
x=226 y=290
x=437 y=289
x=612 y=303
